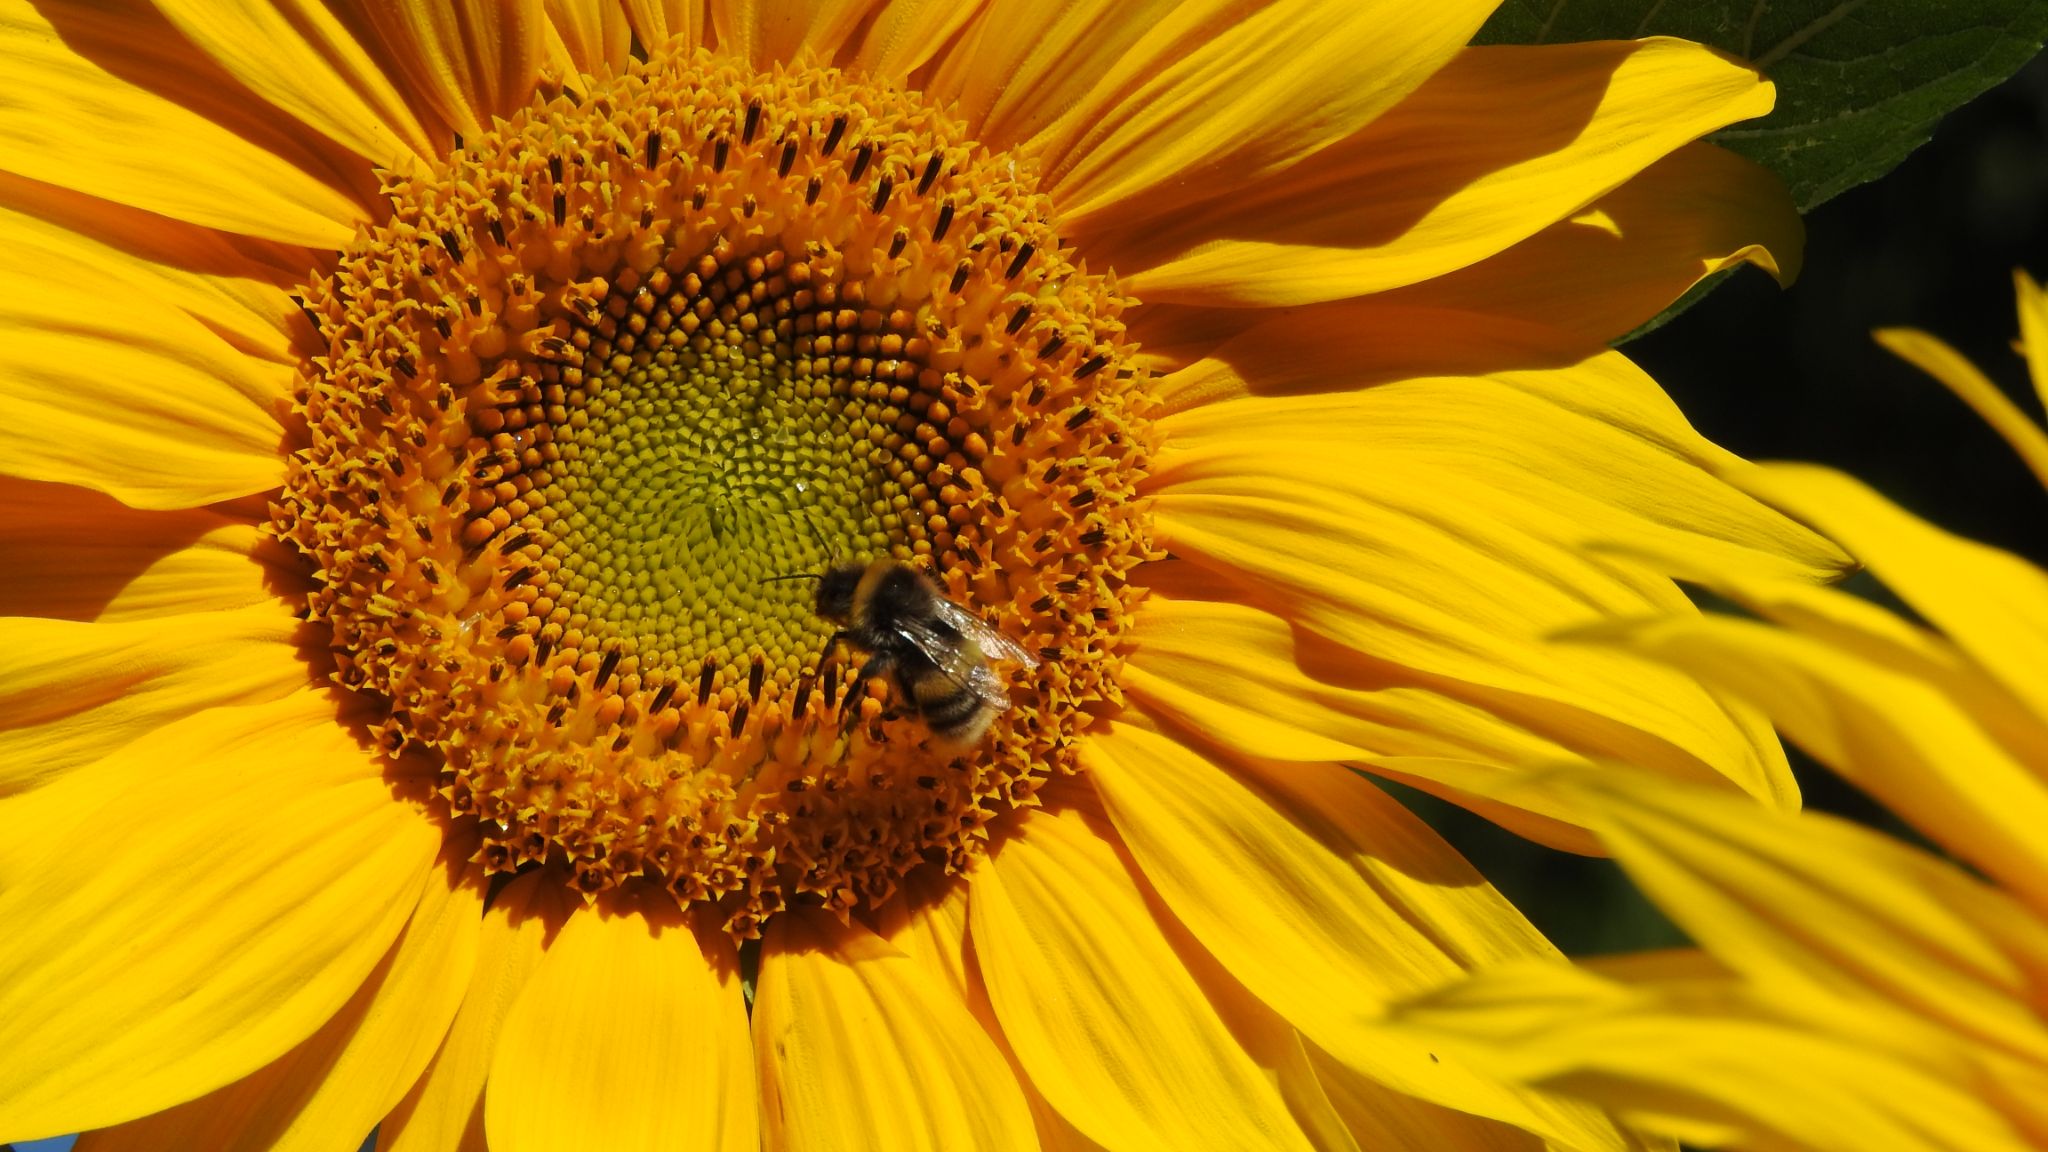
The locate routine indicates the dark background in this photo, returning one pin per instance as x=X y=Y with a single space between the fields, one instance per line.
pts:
x=1793 y=374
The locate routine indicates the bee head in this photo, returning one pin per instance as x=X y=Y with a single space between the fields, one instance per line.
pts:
x=835 y=591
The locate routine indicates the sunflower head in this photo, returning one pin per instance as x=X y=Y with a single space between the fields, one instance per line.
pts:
x=607 y=376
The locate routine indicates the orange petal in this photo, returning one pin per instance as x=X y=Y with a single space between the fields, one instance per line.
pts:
x=304 y=61
x=235 y=285
x=1353 y=344
x=767 y=32
x=466 y=60
x=109 y=100
x=905 y=34
x=346 y=1076
x=858 y=1050
x=595 y=32
x=655 y=21
x=1022 y=63
x=1498 y=145
x=259 y=875
x=630 y=1034
x=1605 y=271
x=75 y=554
x=1139 y=1062
x=71 y=693
x=444 y=1109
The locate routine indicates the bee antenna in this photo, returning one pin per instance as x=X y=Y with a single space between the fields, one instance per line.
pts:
x=818 y=535
x=791 y=576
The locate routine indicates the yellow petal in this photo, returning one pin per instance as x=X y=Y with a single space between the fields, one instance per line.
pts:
x=1379 y=1117
x=71 y=692
x=235 y=285
x=1247 y=102
x=927 y=921
x=250 y=889
x=2033 y=331
x=655 y=21
x=1609 y=268
x=1138 y=1062
x=1887 y=732
x=765 y=32
x=298 y=56
x=1993 y=604
x=141 y=401
x=1349 y=345
x=1592 y=431
x=1327 y=899
x=858 y=1050
x=1710 y=1071
x=467 y=60
x=595 y=32
x=1244 y=678
x=1463 y=545
x=346 y=1076
x=104 y=102
x=444 y=1110
x=1248 y=682
x=905 y=34
x=1404 y=591
x=1273 y=1045
x=1498 y=145
x=1022 y=63
x=631 y=1033
x=1827 y=919
x=1961 y=377
x=1862 y=630
x=75 y=554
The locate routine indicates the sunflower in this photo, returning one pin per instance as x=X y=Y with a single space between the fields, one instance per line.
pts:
x=406 y=592
x=1851 y=991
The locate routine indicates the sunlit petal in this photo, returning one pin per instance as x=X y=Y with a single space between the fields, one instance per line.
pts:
x=1564 y=125
x=76 y=123
x=133 y=975
x=858 y=1050
x=629 y=1034
x=1134 y=1064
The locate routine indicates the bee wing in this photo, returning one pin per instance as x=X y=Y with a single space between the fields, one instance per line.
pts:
x=993 y=644
x=958 y=664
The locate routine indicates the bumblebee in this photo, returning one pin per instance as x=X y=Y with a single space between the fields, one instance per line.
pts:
x=937 y=652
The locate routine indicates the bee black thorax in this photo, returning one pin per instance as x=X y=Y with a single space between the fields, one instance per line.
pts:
x=873 y=604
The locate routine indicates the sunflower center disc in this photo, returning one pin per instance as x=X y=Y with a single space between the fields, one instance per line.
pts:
x=603 y=373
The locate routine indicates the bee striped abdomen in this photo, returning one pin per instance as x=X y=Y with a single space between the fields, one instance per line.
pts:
x=937 y=653
x=955 y=714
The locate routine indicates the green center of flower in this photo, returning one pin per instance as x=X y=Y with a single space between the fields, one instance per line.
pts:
x=704 y=443
x=606 y=384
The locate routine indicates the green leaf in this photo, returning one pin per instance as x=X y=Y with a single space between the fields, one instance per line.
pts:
x=1861 y=83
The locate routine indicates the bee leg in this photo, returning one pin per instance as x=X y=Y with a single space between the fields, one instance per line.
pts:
x=849 y=709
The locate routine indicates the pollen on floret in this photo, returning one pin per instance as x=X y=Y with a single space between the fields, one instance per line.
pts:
x=605 y=372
